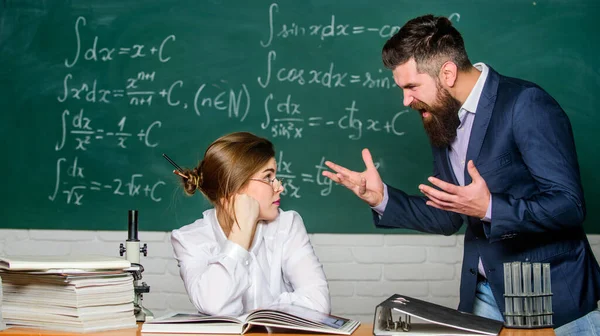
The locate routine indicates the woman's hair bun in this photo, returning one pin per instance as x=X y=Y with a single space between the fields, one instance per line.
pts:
x=193 y=181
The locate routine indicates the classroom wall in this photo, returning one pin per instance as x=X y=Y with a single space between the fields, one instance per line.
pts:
x=362 y=270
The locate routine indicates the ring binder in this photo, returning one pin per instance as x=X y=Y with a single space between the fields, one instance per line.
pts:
x=386 y=321
x=394 y=317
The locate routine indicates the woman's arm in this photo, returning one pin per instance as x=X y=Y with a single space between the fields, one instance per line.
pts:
x=301 y=267
x=215 y=277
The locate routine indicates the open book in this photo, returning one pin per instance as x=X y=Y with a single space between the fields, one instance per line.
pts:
x=397 y=316
x=285 y=317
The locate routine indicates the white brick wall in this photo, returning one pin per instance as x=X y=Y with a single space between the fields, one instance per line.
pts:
x=362 y=270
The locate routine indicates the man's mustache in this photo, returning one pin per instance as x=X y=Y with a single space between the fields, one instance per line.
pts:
x=418 y=105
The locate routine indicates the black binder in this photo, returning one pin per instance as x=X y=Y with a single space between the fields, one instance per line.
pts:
x=395 y=315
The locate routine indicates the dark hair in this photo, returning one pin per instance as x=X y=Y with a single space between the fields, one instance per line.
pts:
x=227 y=165
x=431 y=41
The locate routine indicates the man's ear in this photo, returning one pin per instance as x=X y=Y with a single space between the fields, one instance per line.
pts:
x=448 y=74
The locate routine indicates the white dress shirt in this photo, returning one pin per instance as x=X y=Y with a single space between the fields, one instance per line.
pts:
x=458 y=147
x=223 y=278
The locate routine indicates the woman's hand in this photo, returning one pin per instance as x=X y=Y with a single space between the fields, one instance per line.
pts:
x=245 y=215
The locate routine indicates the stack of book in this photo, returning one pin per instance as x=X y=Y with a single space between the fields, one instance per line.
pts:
x=2 y=324
x=74 y=294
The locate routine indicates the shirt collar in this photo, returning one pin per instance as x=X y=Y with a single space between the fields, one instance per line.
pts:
x=472 y=101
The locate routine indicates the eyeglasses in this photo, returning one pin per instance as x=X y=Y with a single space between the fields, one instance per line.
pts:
x=275 y=182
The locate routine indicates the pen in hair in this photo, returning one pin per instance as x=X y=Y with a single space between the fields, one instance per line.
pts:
x=172 y=162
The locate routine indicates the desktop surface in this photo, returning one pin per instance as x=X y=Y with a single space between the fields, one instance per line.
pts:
x=365 y=329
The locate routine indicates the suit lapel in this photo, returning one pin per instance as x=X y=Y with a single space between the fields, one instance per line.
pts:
x=482 y=119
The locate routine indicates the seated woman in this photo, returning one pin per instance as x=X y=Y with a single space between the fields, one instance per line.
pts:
x=245 y=253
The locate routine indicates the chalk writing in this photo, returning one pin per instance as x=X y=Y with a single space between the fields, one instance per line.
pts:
x=81 y=128
x=118 y=119
x=76 y=184
x=333 y=28
x=105 y=54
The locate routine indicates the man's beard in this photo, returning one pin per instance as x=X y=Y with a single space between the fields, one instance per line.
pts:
x=441 y=125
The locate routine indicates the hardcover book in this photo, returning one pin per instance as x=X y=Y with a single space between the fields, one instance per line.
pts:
x=273 y=318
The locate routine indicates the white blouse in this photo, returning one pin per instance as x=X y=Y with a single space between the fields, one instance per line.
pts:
x=222 y=278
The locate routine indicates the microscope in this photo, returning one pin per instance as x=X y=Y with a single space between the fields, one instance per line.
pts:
x=133 y=250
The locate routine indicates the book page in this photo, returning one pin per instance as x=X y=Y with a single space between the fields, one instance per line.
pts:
x=83 y=262
x=299 y=313
x=301 y=318
x=194 y=317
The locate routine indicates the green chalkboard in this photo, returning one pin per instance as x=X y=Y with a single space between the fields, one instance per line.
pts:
x=92 y=92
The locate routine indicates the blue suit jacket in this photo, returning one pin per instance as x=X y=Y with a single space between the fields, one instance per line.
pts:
x=522 y=145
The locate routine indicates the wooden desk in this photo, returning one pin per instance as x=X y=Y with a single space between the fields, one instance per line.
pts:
x=365 y=329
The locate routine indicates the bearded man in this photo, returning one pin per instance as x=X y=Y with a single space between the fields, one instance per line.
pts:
x=504 y=164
